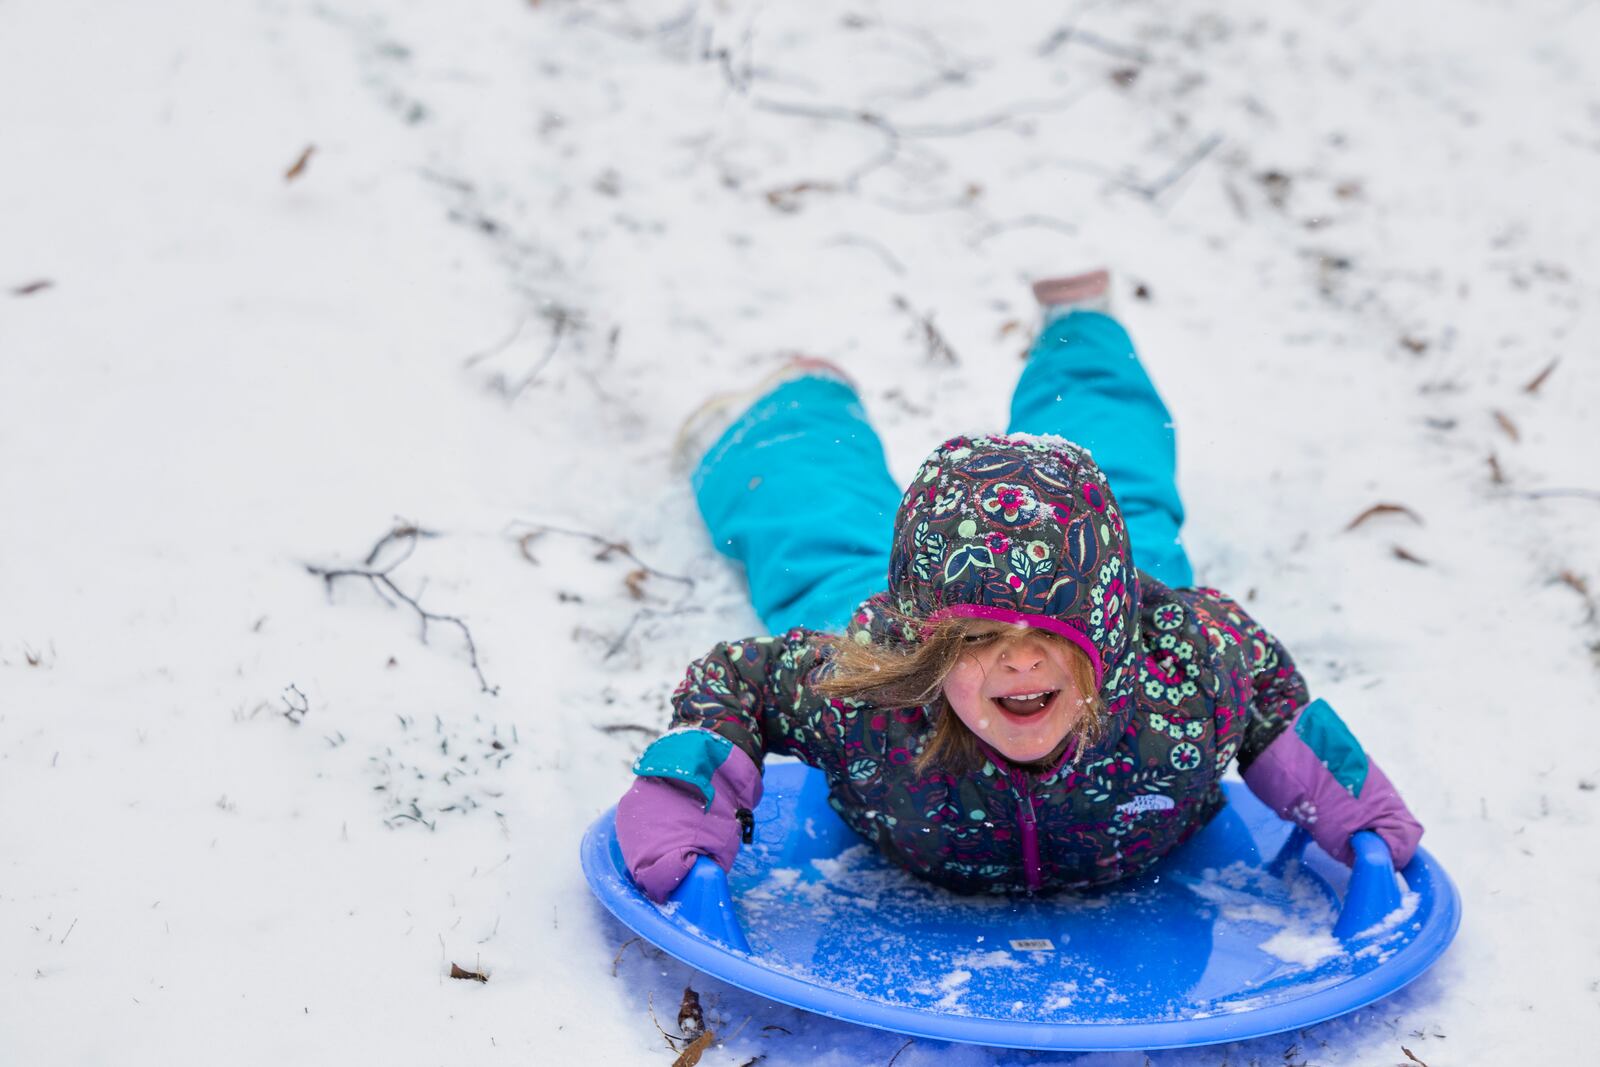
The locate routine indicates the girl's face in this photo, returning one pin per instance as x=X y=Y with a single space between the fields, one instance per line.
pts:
x=1015 y=689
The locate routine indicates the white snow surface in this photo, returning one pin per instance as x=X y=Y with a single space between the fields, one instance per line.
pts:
x=530 y=238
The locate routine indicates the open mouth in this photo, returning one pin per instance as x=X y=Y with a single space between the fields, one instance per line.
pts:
x=1026 y=705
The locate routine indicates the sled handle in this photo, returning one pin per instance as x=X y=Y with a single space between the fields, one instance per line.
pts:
x=1373 y=891
x=703 y=900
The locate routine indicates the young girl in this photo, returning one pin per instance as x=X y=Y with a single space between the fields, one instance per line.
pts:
x=1040 y=698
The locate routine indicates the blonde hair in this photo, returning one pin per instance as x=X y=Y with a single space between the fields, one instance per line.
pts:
x=893 y=677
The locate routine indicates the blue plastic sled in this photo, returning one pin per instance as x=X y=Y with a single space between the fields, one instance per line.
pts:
x=1247 y=930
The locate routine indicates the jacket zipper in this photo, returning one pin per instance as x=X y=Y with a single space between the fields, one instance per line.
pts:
x=1026 y=816
x=1030 y=837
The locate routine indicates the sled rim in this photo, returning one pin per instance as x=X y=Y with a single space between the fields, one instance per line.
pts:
x=607 y=877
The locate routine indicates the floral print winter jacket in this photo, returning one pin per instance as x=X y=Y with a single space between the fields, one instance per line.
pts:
x=1025 y=528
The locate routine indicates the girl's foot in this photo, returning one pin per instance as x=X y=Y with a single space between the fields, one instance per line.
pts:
x=719 y=411
x=1077 y=292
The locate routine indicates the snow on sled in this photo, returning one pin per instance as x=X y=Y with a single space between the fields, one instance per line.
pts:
x=1248 y=929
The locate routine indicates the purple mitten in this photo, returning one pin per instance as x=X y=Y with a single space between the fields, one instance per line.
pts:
x=693 y=786
x=1316 y=774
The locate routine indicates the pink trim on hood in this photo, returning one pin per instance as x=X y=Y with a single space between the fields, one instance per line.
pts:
x=1022 y=618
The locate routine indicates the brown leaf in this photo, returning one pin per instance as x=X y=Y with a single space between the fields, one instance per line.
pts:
x=1574 y=581
x=786 y=198
x=1401 y=553
x=458 y=971
x=1348 y=190
x=1125 y=76
x=1538 y=379
x=1507 y=425
x=1415 y=345
x=635 y=583
x=299 y=166
x=1010 y=326
x=691 y=1055
x=612 y=548
x=1384 y=509
x=1141 y=291
x=1276 y=184
x=690 y=1019
x=1412 y=1056
x=1496 y=475
x=38 y=285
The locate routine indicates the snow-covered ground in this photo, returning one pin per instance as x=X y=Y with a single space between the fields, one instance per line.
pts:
x=252 y=818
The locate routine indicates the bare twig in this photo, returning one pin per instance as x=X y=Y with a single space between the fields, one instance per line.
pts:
x=1539 y=379
x=939 y=350
x=902 y=1048
x=621 y=640
x=609 y=547
x=1581 y=494
x=877 y=249
x=498 y=347
x=628 y=728
x=1005 y=116
x=562 y=320
x=407 y=532
x=637 y=31
x=650 y=1006
x=617 y=960
x=1402 y=553
x=894 y=136
x=1092 y=40
x=384 y=585
x=295 y=704
x=994 y=229
x=1179 y=170
x=632 y=582
x=786 y=198
x=832 y=113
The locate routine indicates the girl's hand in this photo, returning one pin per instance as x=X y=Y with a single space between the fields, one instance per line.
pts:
x=693 y=797
x=1318 y=776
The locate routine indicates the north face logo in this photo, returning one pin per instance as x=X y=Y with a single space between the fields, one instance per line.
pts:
x=1148 y=802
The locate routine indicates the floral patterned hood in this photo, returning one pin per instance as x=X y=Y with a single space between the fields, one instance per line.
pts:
x=1020 y=528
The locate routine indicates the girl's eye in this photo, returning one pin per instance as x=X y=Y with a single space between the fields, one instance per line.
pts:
x=977 y=639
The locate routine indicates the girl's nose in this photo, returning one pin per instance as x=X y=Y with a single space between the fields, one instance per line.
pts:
x=1022 y=655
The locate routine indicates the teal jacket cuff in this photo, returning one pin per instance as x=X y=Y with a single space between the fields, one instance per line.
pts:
x=691 y=756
